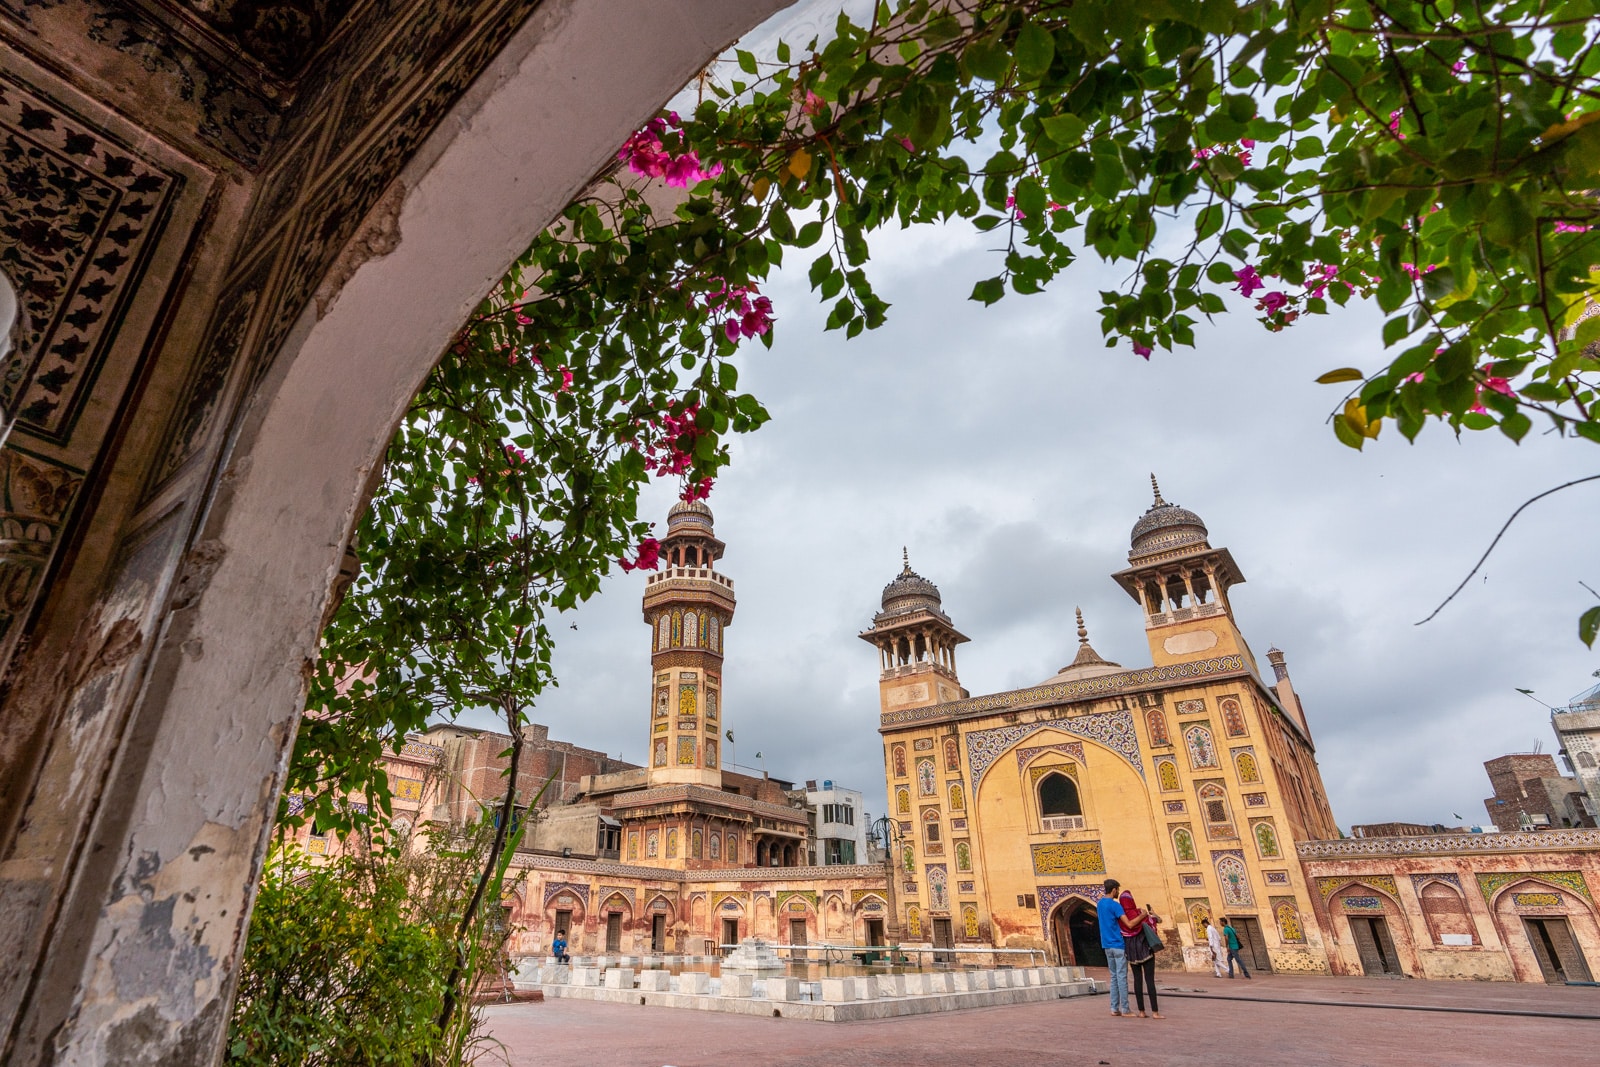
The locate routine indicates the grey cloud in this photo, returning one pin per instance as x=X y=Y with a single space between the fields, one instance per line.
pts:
x=1010 y=450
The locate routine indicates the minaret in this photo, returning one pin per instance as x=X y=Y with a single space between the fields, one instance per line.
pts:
x=1182 y=583
x=688 y=606
x=1285 y=690
x=916 y=644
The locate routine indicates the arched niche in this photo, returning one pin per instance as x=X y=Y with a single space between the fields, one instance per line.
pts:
x=211 y=656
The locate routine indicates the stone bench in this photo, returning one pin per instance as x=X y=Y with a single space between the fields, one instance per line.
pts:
x=619 y=978
x=655 y=981
x=696 y=982
x=738 y=985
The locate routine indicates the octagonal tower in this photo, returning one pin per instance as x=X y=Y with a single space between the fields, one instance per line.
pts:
x=688 y=605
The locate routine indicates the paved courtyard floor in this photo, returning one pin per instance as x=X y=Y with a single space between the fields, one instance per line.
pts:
x=1271 y=1020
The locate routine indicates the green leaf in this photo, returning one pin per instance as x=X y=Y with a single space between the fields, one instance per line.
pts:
x=1343 y=374
x=747 y=61
x=1035 y=49
x=1064 y=130
x=1589 y=626
x=989 y=290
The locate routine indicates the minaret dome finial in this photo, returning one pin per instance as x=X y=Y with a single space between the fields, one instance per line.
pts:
x=905 y=560
x=1083 y=631
x=1157 y=490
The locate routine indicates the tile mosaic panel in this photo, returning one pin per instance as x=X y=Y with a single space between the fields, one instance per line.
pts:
x=1052 y=895
x=1113 y=729
x=1072 y=749
x=1255 y=800
x=1069 y=857
x=1175 y=807
x=1385 y=882
x=1066 y=692
x=580 y=890
x=1536 y=900
x=1362 y=903
x=1276 y=877
x=1191 y=881
x=1572 y=881
x=1420 y=880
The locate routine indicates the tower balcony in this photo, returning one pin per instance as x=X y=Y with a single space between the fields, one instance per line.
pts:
x=1197 y=611
x=699 y=574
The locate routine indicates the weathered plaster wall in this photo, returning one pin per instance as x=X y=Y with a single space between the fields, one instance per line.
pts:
x=163 y=675
x=1495 y=879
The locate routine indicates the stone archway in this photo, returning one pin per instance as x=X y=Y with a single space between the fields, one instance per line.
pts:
x=1075 y=934
x=1550 y=932
x=166 y=681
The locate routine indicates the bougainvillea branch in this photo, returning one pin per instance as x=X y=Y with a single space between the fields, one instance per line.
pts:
x=1283 y=157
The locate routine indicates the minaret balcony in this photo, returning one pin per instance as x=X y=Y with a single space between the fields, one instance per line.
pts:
x=1198 y=611
x=698 y=574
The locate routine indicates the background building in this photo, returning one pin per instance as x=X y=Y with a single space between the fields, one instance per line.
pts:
x=1531 y=793
x=1577 y=727
x=839 y=825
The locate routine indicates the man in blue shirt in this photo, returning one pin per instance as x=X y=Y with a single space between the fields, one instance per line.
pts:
x=1109 y=911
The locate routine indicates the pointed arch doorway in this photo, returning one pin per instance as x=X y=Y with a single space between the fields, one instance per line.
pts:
x=1075 y=934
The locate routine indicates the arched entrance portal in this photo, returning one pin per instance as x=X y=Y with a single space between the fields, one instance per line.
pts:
x=1075 y=934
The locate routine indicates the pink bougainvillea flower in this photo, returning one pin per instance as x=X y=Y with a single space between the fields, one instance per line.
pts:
x=1394 y=124
x=1244 y=157
x=1458 y=67
x=1141 y=350
x=1571 y=227
x=1418 y=378
x=566 y=380
x=648 y=557
x=1273 y=302
x=1499 y=385
x=1321 y=275
x=1247 y=142
x=1249 y=280
x=515 y=455
x=813 y=103
x=696 y=491
x=905 y=142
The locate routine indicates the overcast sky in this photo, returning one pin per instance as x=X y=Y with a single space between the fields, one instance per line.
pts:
x=1011 y=452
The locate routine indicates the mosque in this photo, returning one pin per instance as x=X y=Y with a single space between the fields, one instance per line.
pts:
x=1190 y=781
x=1193 y=781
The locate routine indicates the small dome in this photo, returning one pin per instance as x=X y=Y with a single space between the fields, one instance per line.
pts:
x=909 y=591
x=689 y=513
x=1163 y=527
x=1088 y=663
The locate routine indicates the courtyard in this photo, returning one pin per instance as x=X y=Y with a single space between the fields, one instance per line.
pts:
x=1269 y=1020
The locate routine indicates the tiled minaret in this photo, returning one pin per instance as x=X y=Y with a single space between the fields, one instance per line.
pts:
x=688 y=606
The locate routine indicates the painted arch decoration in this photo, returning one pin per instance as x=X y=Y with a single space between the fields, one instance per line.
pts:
x=1050 y=896
x=1112 y=729
x=1571 y=881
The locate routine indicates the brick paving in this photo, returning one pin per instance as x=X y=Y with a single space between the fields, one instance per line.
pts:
x=1263 y=1029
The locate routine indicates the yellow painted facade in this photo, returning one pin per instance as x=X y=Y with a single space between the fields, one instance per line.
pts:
x=1189 y=781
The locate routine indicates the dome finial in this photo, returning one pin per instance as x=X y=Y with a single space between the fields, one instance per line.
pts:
x=1157 y=489
x=1083 y=631
x=905 y=560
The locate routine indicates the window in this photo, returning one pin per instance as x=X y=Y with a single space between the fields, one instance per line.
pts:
x=1585 y=759
x=930 y=828
x=1059 y=805
x=609 y=840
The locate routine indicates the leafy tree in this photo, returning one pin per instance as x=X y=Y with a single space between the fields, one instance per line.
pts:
x=1437 y=158
x=348 y=961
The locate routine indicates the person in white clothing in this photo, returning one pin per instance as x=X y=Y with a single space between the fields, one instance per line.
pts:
x=1214 y=939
